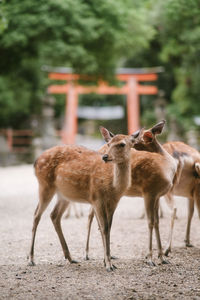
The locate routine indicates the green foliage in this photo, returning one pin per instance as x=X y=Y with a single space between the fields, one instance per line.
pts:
x=3 y=21
x=179 y=28
x=90 y=36
x=94 y=37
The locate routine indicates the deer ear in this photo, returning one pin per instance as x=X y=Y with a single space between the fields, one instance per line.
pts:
x=158 y=128
x=107 y=135
x=136 y=134
x=111 y=134
x=148 y=136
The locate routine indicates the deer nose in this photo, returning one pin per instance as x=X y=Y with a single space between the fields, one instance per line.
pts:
x=105 y=157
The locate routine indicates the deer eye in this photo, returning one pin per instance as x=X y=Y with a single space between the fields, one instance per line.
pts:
x=121 y=145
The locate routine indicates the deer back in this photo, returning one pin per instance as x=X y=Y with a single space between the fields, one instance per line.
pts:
x=189 y=158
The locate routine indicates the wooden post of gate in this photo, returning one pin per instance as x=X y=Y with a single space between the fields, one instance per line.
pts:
x=133 y=110
x=70 y=122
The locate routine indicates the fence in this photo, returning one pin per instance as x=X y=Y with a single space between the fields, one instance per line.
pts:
x=18 y=141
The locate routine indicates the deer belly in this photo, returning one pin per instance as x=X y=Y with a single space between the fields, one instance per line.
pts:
x=185 y=185
x=183 y=190
x=72 y=188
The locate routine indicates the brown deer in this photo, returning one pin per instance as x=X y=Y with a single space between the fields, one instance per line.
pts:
x=188 y=184
x=78 y=174
x=153 y=174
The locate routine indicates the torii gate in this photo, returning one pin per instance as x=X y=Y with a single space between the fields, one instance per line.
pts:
x=132 y=89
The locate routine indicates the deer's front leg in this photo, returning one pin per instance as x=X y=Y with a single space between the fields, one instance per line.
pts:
x=149 y=206
x=105 y=222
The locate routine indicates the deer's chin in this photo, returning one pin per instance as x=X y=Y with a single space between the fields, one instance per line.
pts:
x=108 y=160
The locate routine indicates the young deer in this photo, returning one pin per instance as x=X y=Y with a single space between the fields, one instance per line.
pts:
x=78 y=174
x=153 y=175
x=188 y=184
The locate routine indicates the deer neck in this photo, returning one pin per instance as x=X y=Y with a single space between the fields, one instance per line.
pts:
x=157 y=148
x=122 y=176
x=171 y=163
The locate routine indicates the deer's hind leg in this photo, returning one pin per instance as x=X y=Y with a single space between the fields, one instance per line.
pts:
x=152 y=206
x=46 y=193
x=56 y=215
x=189 y=220
x=157 y=232
x=171 y=204
x=149 y=207
x=90 y=220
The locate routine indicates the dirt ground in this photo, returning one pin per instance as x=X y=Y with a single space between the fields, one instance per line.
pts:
x=55 y=278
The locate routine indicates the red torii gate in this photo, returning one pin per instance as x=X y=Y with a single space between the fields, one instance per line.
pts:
x=132 y=89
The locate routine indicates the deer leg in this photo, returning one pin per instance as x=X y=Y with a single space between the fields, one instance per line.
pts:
x=77 y=215
x=56 y=215
x=68 y=210
x=81 y=211
x=105 y=224
x=170 y=201
x=149 y=206
x=45 y=195
x=197 y=199
x=190 y=215
x=157 y=232
x=90 y=219
x=169 y=246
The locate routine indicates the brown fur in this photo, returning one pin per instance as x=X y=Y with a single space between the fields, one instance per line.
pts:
x=187 y=185
x=152 y=176
x=78 y=174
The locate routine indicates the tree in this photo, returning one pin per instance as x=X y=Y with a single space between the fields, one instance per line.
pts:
x=179 y=31
x=90 y=36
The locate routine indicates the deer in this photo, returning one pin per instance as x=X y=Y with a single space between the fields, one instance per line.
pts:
x=78 y=174
x=153 y=173
x=188 y=185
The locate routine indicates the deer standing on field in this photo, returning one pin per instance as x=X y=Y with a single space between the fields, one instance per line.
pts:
x=153 y=175
x=78 y=174
x=188 y=184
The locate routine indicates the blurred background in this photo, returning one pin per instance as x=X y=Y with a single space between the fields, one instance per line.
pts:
x=95 y=38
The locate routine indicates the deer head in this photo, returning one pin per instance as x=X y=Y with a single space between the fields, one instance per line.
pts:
x=146 y=139
x=118 y=146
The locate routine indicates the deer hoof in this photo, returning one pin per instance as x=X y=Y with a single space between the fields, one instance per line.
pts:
x=114 y=267
x=110 y=269
x=150 y=263
x=188 y=245
x=73 y=262
x=86 y=257
x=164 y=262
x=31 y=263
x=167 y=251
x=113 y=257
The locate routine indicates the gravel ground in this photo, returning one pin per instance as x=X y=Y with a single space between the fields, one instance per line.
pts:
x=54 y=278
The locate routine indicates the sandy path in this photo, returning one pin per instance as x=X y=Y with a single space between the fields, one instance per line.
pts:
x=54 y=278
